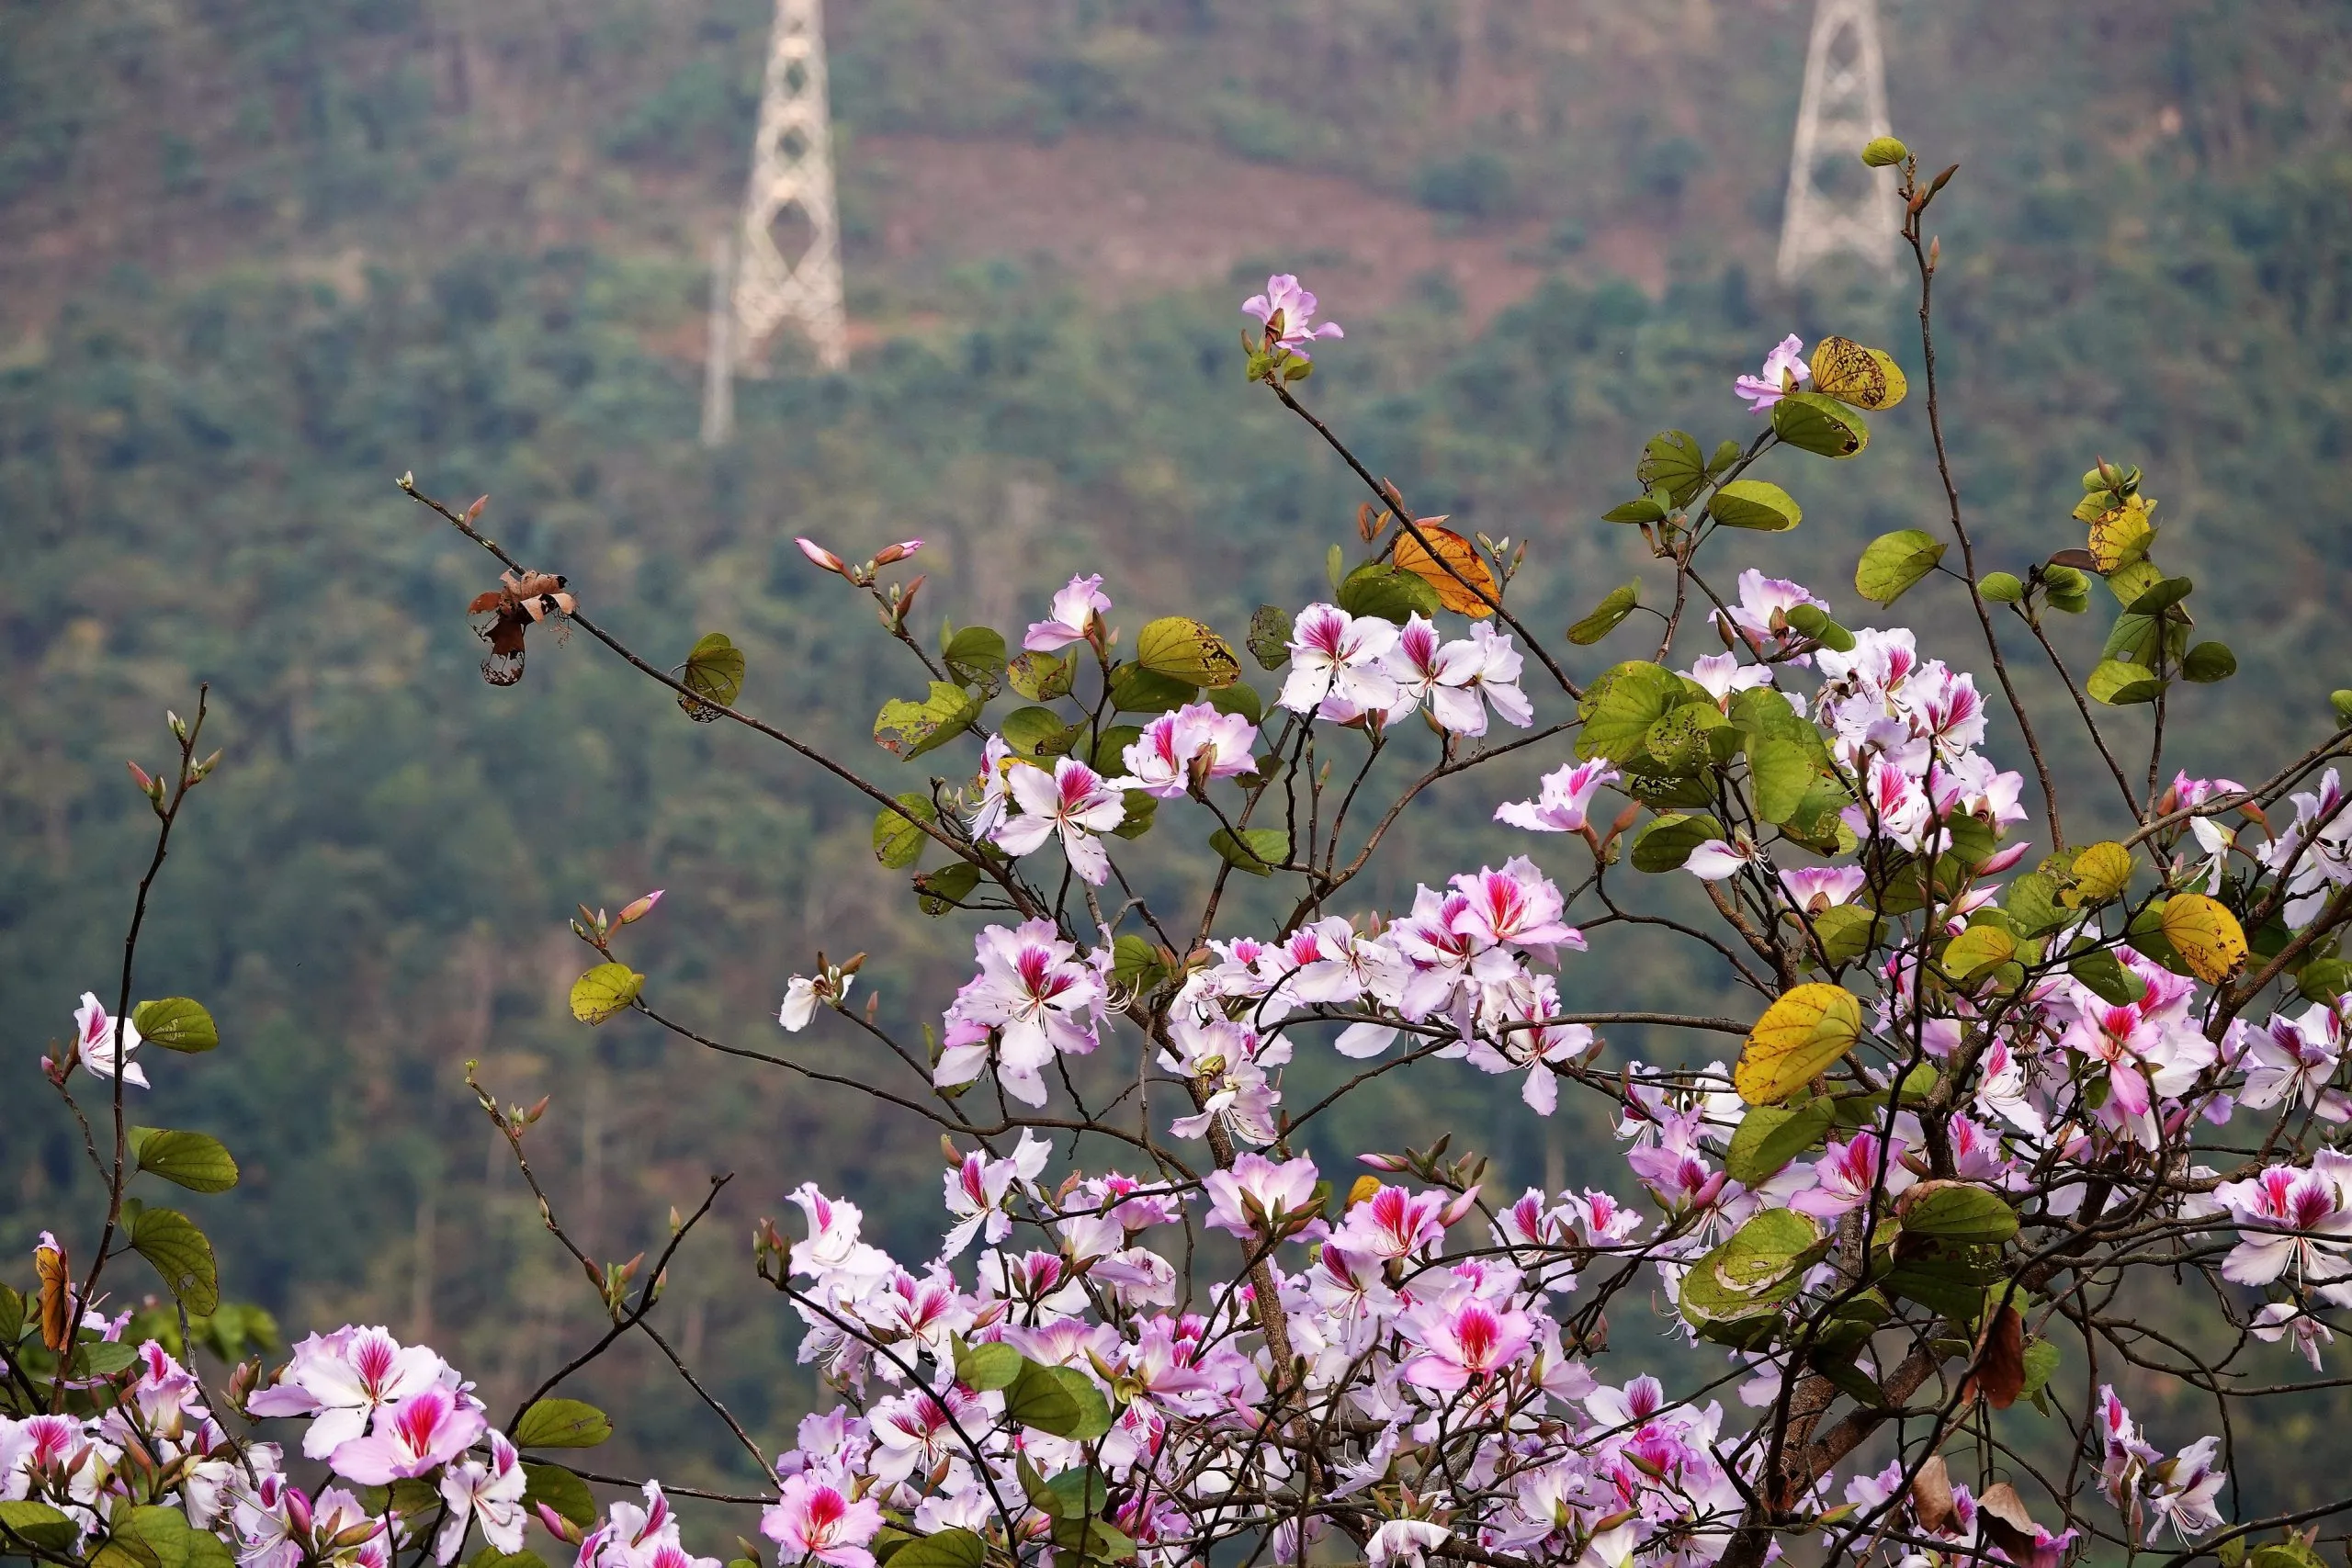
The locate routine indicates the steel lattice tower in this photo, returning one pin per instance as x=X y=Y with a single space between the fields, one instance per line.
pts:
x=757 y=287
x=1843 y=107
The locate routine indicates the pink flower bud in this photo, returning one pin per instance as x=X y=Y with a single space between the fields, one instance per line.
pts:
x=896 y=552
x=564 y=1529
x=1461 y=1206
x=139 y=774
x=1382 y=1162
x=823 y=557
x=640 y=909
x=298 y=1511
x=2004 y=859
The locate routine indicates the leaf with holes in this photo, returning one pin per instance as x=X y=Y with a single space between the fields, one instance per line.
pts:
x=2206 y=935
x=1184 y=649
x=1270 y=637
x=714 y=674
x=1862 y=378
x=907 y=729
x=176 y=1023
x=897 y=842
x=605 y=992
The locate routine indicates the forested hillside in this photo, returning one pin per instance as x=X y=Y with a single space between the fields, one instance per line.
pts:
x=258 y=258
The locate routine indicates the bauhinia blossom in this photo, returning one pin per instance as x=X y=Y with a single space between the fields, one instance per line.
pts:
x=1338 y=664
x=1071 y=617
x=1073 y=804
x=1783 y=368
x=1287 y=311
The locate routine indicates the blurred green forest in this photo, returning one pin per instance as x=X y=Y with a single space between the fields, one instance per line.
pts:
x=258 y=258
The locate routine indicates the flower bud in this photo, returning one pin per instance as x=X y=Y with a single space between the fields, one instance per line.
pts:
x=822 y=557
x=1461 y=1206
x=138 y=776
x=897 y=552
x=637 y=910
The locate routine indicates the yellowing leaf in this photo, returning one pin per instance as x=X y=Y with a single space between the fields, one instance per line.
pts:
x=1864 y=378
x=714 y=674
x=604 y=991
x=1452 y=550
x=1798 y=1037
x=2101 y=874
x=2206 y=935
x=2122 y=535
x=1183 y=649
x=1977 y=949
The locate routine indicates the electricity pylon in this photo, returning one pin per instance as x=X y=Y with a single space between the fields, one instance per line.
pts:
x=1843 y=107
x=792 y=176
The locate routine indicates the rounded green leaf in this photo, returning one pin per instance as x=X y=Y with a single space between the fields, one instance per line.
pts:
x=176 y=1023
x=714 y=674
x=1813 y=421
x=1956 y=1211
x=2001 y=588
x=942 y=1549
x=1754 y=503
x=1641 y=509
x=1770 y=1136
x=1239 y=697
x=169 y=1240
x=1619 y=708
x=1258 y=850
x=1134 y=689
x=1667 y=841
x=983 y=1367
x=1672 y=462
x=1181 y=648
x=946 y=888
x=2209 y=662
x=1618 y=603
x=897 y=842
x=605 y=990
x=1977 y=949
x=1037 y=732
x=1061 y=1401
x=1378 y=589
x=37 y=1525
x=196 y=1161
x=1270 y=637
x=2120 y=684
x=1880 y=151
x=2163 y=593
x=560 y=1423
x=560 y=1490
x=974 y=656
x=1893 y=562
x=907 y=729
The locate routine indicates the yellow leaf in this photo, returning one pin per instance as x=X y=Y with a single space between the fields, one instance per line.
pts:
x=605 y=991
x=2206 y=935
x=1453 y=551
x=1977 y=949
x=1798 y=1037
x=1184 y=649
x=2121 y=536
x=1862 y=378
x=1366 y=1188
x=2101 y=874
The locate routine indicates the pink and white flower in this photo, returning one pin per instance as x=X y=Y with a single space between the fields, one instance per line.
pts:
x=1161 y=763
x=1036 y=995
x=94 y=1042
x=492 y=1493
x=814 y=1518
x=421 y=1433
x=1336 y=666
x=342 y=1380
x=1254 y=1198
x=1286 y=309
x=1467 y=1343
x=1564 y=800
x=1783 y=368
x=1071 y=617
x=1074 y=804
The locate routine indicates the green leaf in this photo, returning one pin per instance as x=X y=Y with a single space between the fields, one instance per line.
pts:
x=605 y=992
x=1952 y=1285
x=975 y=657
x=1813 y=621
x=1680 y=742
x=103 y=1357
x=490 y=1557
x=37 y=1525
x=1847 y=932
x=1618 y=603
x=1641 y=509
x=11 y=1314
x=1881 y=151
x=1619 y=708
x=169 y=1240
x=1042 y=677
x=1184 y=649
x=946 y=888
x=1037 y=732
x=1672 y=462
x=1269 y=638
x=561 y=1490
x=1770 y=1136
x=2119 y=684
x=1762 y=1265
x=2158 y=596
x=2000 y=588
x=1061 y=1401
x=144 y=1538
x=1257 y=851
x=1239 y=697
x=2134 y=639
x=982 y=1368
x=897 y=843
x=1813 y=422
x=196 y=1161
x=2209 y=662
x=942 y=1549
x=1134 y=689
x=1335 y=566
x=1780 y=771
x=1667 y=841
x=1893 y=563
x=2066 y=588
x=1075 y=1494
x=1977 y=949
x=560 y=1423
x=1378 y=589
x=1957 y=1212
x=2041 y=1365
x=1109 y=744
x=2103 y=973
x=714 y=674
x=176 y=1023
x=907 y=729
x=2322 y=981
x=1754 y=503
x=2032 y=904
x=1136 y=965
